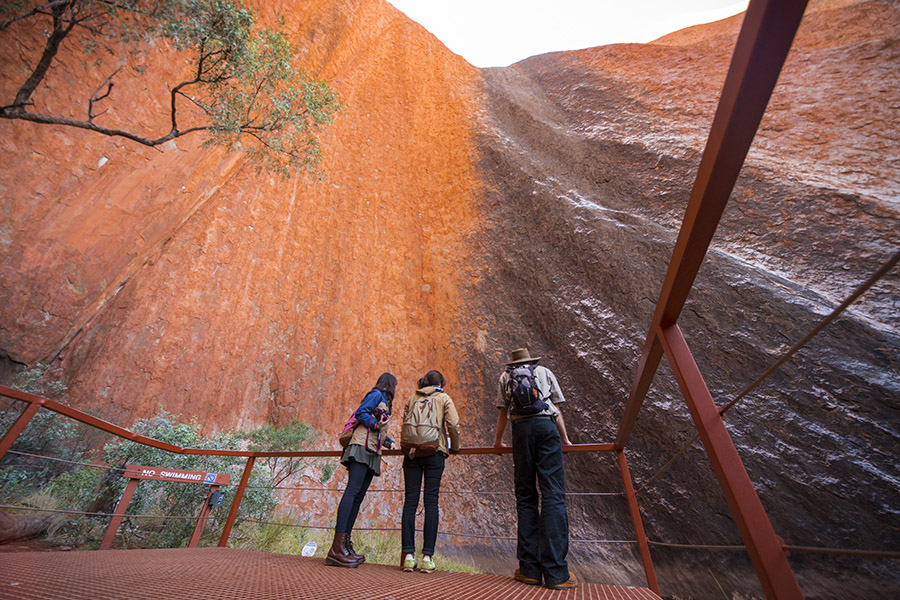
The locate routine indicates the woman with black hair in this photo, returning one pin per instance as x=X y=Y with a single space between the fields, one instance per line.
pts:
x=362 y=457
x=427 y=465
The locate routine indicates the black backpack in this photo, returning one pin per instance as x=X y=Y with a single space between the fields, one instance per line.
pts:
x=522 y=390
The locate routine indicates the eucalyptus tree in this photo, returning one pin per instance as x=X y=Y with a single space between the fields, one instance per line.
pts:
x=239 y=86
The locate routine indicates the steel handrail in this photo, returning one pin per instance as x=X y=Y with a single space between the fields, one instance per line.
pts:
x=93 y=421
x=35 y=403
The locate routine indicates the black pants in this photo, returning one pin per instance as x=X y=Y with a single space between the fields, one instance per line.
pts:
x=543 y=534
x=431 y=468
x=359 y=476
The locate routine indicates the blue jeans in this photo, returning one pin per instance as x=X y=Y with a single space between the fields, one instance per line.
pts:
x=359 y=476
x=431 y=468
x=543 y=534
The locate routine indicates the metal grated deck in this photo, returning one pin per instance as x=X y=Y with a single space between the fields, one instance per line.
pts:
x=231 y=574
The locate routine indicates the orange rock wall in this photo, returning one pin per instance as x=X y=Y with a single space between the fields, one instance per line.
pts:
x=181 y=280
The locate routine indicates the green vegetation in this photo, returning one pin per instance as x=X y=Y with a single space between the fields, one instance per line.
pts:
x=34 y=482
x=240 y=88
x=261 y=525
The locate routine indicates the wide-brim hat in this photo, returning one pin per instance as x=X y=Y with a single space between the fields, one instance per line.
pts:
x=521 y=356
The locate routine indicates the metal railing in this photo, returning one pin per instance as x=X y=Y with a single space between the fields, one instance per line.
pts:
x=767 y=33
x=766 y=36
x=34 y=403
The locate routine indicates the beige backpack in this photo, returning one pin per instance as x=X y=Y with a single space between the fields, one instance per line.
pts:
x=420 y=433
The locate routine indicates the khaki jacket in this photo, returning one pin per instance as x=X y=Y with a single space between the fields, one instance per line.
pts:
x=373 y=441
x=449 y=418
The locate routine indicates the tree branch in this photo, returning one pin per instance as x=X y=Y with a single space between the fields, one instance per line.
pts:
x=58 y=34
x=173 y=95
x=252 y=133
x=40 y=10
x=15 y=112
x=96 y=98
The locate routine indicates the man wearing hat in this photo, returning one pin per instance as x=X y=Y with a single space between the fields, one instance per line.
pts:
x=538 y=434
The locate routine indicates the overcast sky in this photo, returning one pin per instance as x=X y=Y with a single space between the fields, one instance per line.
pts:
x=497 y=33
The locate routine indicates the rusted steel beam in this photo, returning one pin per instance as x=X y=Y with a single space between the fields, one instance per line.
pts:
x=765 y=548
x=85 y=418
x=201 y=520
x=20 y=395
x=762 y=47
x=766 y=35
x=236 y=503
x=647 y=365
x=643 y=545
x=116 y=519
x=22 y=421
x=605 y=447
x=609 y=447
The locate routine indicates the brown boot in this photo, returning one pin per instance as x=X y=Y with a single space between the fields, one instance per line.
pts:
x=360 y=558
x=337 y=555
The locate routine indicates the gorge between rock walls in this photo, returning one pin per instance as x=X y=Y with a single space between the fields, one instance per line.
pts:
x=468 y=212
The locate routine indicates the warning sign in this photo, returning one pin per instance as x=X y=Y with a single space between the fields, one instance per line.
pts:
x=166 y=474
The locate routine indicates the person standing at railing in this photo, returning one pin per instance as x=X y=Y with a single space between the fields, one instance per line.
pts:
x=362 y=457
x=528 y=397
x=424 y=442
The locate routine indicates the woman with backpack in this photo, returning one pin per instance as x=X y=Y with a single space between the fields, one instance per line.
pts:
x=428 y=418
x=362 y=457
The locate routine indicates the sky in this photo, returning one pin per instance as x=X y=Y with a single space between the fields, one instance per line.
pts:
x=497 y=33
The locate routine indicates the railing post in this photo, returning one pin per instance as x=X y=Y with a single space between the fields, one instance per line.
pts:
x=643 y=545
x=766 y=549
x=201 y=520
x=236 y=503
x=762 y=46
x=18 y=427
x=116 y=519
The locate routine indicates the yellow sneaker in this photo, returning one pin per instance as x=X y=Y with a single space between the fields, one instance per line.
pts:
x=409 y=563
x=427 y=565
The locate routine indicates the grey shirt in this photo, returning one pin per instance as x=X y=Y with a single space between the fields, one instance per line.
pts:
x=547 y=386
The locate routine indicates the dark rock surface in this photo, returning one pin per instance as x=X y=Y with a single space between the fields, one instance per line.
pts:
x=589 y=158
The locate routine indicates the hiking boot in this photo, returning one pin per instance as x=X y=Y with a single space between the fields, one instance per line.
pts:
x=337 y=555
x=409 y=563
x=427 y=565
x=526 y=580
x=360 y=558
x=570 y=583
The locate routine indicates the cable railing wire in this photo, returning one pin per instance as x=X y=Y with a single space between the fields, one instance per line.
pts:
x=303 y=488
x=862 y=289
x=723 y=547
x=803 y=549
x=60 y=460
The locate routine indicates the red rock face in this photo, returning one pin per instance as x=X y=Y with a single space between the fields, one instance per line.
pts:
x=182 y=280
x=466 y=213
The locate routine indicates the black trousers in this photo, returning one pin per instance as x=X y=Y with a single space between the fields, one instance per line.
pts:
x=359 y=477
x=429 y=468
x=543 y=528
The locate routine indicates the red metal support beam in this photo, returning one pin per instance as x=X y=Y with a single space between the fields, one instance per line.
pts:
x=22 y=421
x=765 y=548
x=643 y=545
x=201 y=520
x=116 y=519
x=85 y=418
x=766 y=35
x=236 y=502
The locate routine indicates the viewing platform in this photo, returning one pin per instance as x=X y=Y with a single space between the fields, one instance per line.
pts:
x=233 y=574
